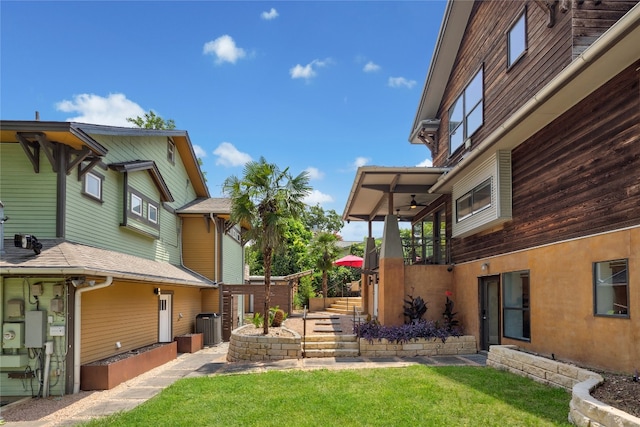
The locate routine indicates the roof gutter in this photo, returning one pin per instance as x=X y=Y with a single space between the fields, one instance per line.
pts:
x=621 y=29
x=77 y=323
x=48 y=271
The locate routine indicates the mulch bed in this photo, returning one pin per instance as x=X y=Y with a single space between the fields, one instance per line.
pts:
x=619 y=391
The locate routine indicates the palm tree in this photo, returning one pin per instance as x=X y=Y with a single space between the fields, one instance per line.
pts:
x=324 y=250
x=265 y=198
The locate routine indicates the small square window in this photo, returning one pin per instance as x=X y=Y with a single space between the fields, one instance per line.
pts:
x=474 y=201
x=136 y=205
x=611 y=288
x=93 y=185
x=152 y=213
x=171 y=151
x=517 y=39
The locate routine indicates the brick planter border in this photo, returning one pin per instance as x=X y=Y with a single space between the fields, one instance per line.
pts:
x=465 y=344
x=257 y=348
x=584 y=409
x=99 y=376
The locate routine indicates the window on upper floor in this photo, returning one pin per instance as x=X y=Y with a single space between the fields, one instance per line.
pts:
x=152 y=213
x=171 y=151
x=474 y=201
x=611 y=288
x=516 y=305
x=517 y=39
x=428 y=244
x=92 y=185
x=136 y=204
x=466 y=114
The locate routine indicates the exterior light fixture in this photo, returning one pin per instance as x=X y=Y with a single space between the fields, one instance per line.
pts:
x=27 y=241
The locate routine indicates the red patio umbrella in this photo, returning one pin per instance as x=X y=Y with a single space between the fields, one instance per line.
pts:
x=349 y=261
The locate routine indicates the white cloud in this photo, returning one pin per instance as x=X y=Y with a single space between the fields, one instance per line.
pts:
x=199 y=151
x=308 y=71
x=268 y=16
x=361 y=161
x=426 y=163
x=224 y=49
x=228 y=155
x=317 y=197
x=371 y=67
x=314 y=173
x=401 y=82
x=112 y=110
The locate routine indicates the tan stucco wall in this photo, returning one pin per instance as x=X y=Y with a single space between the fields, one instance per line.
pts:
x=562 y=319
x=391 y=291
x=429 y=282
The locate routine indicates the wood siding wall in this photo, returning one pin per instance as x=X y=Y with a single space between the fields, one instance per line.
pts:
x=29 y=199
x=576 y=177
x=198 y=245
x=485 y=45
x=127 y=312
x=591 y=20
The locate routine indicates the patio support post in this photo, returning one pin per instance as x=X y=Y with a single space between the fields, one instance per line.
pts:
x=391 y=286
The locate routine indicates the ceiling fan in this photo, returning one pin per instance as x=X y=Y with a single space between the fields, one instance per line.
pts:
x=414 y=204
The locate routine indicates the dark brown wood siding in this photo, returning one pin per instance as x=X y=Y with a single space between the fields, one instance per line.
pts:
x=505 y=90
x=578 y=176
x=591 y=19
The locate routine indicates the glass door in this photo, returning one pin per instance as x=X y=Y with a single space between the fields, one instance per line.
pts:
x=489 y=311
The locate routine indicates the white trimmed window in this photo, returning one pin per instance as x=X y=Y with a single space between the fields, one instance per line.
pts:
x=152 y=213
x=136 y=204
x=517 y=39
x=482 y=198
x=611 y=288
x=171 y=151
x=474 y=201
x=93 y=185
x=466 y=114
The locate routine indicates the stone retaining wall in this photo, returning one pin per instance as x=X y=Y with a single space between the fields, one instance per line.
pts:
x=256 y=348
x=422 y=347
x=584 y=410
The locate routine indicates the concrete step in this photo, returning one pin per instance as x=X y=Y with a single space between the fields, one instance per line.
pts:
x=330 y=338
x=339 y=345
x=331 y=353
x=340 y=310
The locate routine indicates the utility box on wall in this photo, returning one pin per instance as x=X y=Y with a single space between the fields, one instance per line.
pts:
x=35 y=329
x=12 y=335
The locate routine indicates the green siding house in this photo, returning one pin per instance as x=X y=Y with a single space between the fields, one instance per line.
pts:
x=103 y=270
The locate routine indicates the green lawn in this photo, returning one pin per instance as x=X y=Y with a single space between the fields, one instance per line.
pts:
x=412 y=396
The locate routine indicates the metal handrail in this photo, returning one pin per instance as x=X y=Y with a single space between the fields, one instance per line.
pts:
x=304 y=331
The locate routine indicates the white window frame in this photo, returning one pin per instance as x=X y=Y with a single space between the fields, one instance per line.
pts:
x=152 y=208
x=171 y=151
x=472 y=195
x=135 y=197
x=88 y=179
x=497 y=168
x=467 y=108
x=517 y=43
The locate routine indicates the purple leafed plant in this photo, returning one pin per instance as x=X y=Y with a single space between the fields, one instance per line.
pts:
x=400 y=334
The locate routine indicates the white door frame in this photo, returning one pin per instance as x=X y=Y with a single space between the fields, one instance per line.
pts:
x=165 y=310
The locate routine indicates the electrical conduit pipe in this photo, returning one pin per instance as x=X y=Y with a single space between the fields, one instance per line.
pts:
x=76 y=328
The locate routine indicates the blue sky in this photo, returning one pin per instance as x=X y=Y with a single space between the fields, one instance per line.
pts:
x=321 y=86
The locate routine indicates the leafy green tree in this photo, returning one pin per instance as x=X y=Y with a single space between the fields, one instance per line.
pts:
x=317 y=219
x=266 y=197
x=152 y=121
x=324 y=251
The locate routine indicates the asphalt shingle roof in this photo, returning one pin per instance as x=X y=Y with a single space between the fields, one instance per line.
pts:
x=61 y=257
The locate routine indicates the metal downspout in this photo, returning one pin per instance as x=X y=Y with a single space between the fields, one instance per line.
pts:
x=76 y=329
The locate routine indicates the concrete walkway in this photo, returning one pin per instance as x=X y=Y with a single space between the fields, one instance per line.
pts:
x=212 y=361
